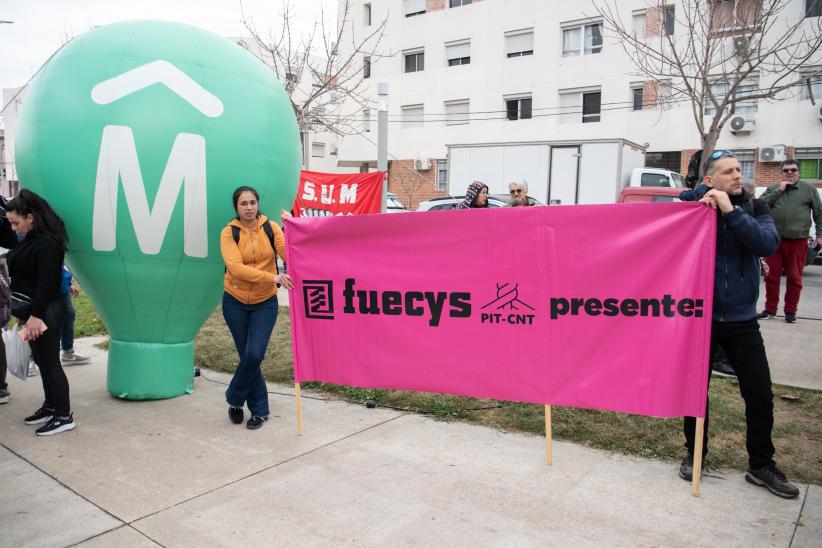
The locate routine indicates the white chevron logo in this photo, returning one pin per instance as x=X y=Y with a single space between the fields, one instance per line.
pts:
x=158 y=72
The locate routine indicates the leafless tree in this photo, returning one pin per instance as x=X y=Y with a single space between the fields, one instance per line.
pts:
x=723 y=56
x=320 y=80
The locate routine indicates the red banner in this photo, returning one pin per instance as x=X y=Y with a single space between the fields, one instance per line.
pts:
x=327 y=194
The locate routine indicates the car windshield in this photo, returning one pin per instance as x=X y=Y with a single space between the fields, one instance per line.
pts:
x=679 y=180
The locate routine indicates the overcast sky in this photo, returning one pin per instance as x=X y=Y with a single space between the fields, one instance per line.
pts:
x=41 y=26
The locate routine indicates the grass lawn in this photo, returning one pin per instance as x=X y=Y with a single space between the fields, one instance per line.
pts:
x=797 y=430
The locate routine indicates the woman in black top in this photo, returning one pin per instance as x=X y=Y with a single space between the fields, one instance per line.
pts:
x=35 y=267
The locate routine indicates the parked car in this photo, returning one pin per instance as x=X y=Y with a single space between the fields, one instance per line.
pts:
x=394 y=205
x=640 y=194
x=450 y=202
x=652 y=177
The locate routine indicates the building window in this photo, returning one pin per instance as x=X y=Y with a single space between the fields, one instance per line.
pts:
x=668 y=19
x=637 y=93
x=747 y=162
x=519 y=43
x=414 y=61
x=414 y=7
x=456 y=112
x=442 y=175
x=458 y=53
x=582 y=40
x=591 y=106
x=665 y=95
x=317 y=150
x=366 y=14
x=412 y=116
x=639 y=20
x=816 y=87
x=742 y=105
x=733 y=14
x=586 y=102
x=366 y=120
x=458 y=3
x=518 y=108
x=366 y=67
x=813 y=8
x=664 y=160
x=810 y=163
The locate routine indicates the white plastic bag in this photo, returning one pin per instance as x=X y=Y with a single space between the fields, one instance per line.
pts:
x=18 y=353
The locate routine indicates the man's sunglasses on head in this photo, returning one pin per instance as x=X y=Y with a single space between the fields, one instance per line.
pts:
x=789 y=170
x=717 y=154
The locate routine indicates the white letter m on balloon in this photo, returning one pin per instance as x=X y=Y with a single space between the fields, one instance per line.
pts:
x=185 y=169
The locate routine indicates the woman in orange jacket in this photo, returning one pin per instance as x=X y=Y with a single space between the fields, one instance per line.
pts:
x=250 y=244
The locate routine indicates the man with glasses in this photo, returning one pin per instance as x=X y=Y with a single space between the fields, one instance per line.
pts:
x=793 y=202
x=744 y=232
x=519 y=193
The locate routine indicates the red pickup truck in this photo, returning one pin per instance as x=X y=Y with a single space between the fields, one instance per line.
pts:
x=639 y=194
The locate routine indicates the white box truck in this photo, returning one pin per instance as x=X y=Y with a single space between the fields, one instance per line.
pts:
x=559 y=173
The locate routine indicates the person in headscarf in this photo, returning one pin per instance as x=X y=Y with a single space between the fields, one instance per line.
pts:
x=475 y=196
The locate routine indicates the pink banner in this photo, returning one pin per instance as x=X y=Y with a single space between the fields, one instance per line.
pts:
x=600 y=306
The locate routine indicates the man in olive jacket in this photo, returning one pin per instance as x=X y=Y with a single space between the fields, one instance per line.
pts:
x=793 y=202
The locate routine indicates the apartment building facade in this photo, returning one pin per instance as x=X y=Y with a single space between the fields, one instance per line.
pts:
x=503 y=71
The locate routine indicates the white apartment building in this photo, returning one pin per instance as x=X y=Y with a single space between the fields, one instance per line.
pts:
x=502 y=71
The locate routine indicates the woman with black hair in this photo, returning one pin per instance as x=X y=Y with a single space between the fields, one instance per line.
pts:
x=35 y=267
x=250 y=245
x=475 y=196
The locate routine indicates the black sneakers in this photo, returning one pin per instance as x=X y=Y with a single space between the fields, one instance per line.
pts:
x=724 y=368
x=772 y=478
x=790 y=317
x=39 y=416
x=765 y=315
x=686 y=469
x=56 y=425
x=235 y=414
x=255 y=422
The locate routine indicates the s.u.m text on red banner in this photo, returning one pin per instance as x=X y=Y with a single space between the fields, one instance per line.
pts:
x=329 y=194
x=602 y=306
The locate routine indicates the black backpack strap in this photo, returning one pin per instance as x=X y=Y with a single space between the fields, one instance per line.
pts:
x=235 y=233
x=270 y=233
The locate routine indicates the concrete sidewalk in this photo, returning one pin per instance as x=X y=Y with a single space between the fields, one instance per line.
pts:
x=177 y=473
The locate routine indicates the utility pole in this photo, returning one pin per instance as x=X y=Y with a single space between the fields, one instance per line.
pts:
x=382 y=140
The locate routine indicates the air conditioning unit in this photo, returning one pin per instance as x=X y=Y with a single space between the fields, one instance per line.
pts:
x=422 y=164
x=742 y=124
x=772 y=154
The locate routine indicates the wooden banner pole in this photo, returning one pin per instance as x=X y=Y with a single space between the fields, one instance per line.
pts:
x=549 y=450
x=299 y=402
x=697 y=471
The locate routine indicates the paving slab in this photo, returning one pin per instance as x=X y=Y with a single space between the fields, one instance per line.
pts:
x=122 y=537
x=794 y=352
x=809 y=529
x=134 y=458
x=415 y=481
x=36 y=510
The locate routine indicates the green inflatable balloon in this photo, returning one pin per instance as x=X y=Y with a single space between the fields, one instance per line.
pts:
x=137 y=133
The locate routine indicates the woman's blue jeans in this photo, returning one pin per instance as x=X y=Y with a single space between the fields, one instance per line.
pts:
x=251 y=326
